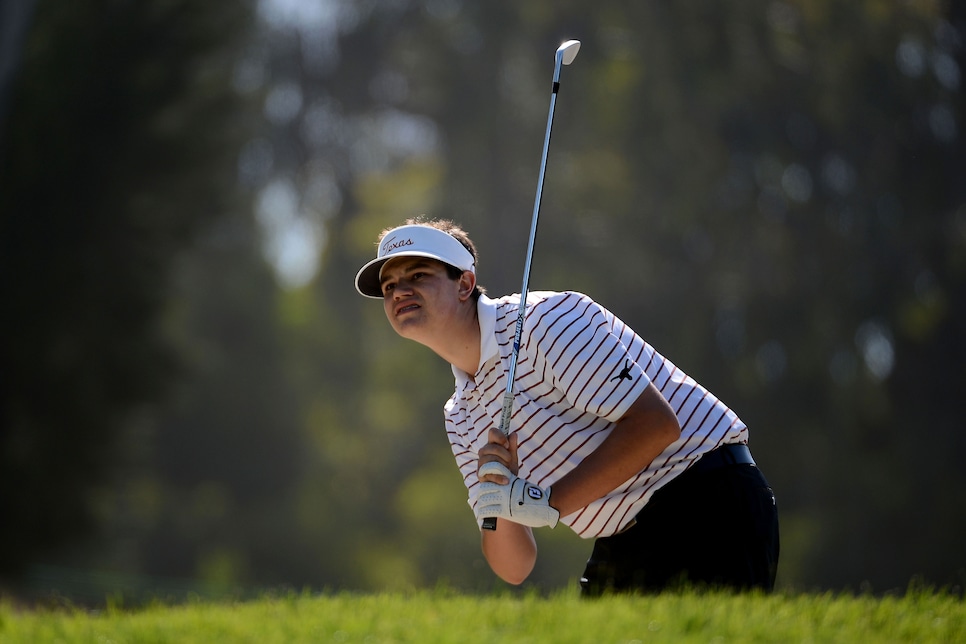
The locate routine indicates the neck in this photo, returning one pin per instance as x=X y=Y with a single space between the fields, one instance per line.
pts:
x=461 y=347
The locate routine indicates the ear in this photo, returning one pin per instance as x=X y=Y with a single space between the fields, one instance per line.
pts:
x=467 y=283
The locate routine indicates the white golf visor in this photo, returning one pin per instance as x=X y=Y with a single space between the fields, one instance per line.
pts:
x=412 y=241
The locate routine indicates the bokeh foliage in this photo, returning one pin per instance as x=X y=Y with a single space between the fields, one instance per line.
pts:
x=770 y=192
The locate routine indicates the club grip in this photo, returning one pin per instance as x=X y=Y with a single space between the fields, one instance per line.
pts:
x=489 y=523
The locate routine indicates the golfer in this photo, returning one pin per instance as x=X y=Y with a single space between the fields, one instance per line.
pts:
x=607 y=436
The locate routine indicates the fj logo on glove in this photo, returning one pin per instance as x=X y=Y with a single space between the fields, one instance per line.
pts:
x=535 y=493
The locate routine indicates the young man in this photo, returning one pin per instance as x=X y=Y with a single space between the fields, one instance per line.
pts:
x=607 y=435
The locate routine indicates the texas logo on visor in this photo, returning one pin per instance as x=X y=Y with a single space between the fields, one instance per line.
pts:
x=393 y=243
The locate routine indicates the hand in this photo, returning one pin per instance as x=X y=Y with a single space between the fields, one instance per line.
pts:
x=518 y=500
x=502 y=450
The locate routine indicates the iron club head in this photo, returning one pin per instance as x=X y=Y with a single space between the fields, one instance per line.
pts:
x=568 y=51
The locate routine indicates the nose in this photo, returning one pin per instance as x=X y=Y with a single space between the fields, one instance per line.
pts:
x=402 y=288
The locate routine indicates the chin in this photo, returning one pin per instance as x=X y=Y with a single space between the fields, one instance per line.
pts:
x=407 y=330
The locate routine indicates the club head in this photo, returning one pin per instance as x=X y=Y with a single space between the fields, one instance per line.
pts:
x=568 y=51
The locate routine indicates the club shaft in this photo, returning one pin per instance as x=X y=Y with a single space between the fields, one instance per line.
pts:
x=490 y=522
x=525 y=287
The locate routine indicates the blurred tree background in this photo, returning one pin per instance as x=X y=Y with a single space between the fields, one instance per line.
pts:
x=193 y=398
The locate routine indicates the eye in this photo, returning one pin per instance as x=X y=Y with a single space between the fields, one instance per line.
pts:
x=387 y=287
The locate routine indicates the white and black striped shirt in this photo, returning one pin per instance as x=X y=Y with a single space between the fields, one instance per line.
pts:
x=579 y=369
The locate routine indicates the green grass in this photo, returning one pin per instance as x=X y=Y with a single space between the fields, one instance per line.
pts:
x=452 y=617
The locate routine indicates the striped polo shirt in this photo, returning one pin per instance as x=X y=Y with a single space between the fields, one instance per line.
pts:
x=579 y=369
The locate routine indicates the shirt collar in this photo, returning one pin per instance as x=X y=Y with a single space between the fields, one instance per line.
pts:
x=486 y=314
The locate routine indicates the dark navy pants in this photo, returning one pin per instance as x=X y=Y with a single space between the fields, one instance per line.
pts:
x=714 y=528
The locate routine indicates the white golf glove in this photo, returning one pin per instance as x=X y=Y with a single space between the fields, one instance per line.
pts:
x=518 y=501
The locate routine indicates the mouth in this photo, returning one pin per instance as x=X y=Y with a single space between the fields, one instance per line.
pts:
x=406 y=308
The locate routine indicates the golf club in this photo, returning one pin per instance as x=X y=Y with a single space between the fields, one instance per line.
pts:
x=564 y=56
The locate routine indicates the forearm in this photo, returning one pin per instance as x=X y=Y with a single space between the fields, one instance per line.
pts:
x=510 y=550
x=638 y=438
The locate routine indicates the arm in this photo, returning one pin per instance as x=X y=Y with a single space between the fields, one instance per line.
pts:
x=511 y=549
x=642 y=433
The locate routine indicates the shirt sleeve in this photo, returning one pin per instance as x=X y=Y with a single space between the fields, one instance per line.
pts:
x=466 y=456
x=587 y=351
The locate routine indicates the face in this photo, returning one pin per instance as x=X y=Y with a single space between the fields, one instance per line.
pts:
x=421 y=301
